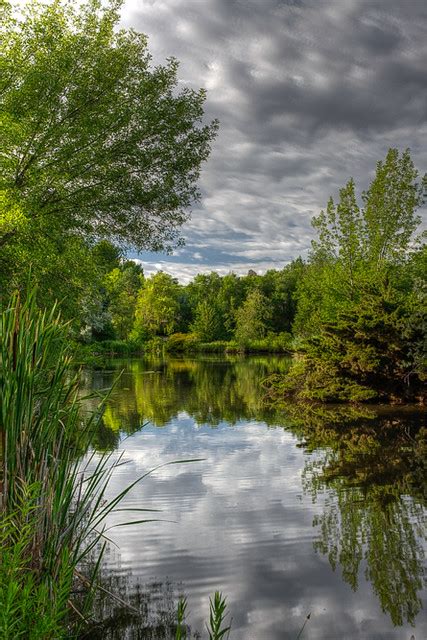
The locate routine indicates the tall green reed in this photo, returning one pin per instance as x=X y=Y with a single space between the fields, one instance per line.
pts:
x=41 y=431
x=27 y=608
x=217 y=615
x=215 y=626
x=53 y=507
x=181 y=629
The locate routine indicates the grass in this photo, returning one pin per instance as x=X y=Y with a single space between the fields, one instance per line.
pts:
x=281 y=343
x=52 y=508
x=96 y=354
x=181 y=629
x=215 y=627
x=30 y=607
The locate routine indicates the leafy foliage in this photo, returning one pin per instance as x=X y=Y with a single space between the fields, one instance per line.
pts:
x=122 y=285
x=95 y=139
x=360 y=301
x=207 y=322
x=157 y=306
x=251 y=318
x=218 y=607
x=96 y=143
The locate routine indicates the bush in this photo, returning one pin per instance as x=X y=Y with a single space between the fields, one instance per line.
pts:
x=273 y=343
x=182 y=342
x=218 y=346
x=155 y=345
x=364 y=355
x=117 y=347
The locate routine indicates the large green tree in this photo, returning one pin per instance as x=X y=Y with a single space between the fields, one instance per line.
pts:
x=96 y=141
x=358 y=297
x=122 y=285
x=207 y=321
x=252 y=317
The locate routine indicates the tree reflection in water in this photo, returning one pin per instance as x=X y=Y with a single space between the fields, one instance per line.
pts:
x=370 y=465
x=210 y=389
x=374 y=516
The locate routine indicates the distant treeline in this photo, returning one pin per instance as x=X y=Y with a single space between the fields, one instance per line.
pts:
x=132 y=307
x=354 y=311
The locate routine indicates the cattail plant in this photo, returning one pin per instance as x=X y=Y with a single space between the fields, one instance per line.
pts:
x=54 y=506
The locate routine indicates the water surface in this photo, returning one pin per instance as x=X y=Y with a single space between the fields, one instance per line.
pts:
x=289 y=515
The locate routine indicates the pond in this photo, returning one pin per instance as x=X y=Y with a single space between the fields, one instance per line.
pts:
x=311 y=525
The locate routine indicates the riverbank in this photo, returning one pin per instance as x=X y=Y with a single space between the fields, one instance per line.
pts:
x=97 y=352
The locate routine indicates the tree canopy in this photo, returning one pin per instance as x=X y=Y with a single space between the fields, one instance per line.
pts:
x=361 y=298
x=95 y=139
x=157 y=306
x=97 y=142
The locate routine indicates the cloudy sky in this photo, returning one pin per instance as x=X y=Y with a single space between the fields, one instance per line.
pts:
x=308 y=93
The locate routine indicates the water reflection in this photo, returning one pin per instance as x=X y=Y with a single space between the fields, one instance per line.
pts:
x=375 y=476
x=210 y=389
x=127 y=610
x=244 y=519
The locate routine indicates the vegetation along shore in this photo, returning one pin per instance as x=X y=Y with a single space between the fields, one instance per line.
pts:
x=101 y=153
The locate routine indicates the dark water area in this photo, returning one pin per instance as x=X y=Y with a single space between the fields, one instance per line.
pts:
x=290 y=513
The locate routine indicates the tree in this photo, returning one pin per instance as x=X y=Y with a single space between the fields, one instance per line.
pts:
x=280 y=289
x=202 y=297
x=364 y=243
x=341 y=236
x=157 y=307
x=207 y=322
x=360 y=247
x=231 y=296
x=358 y=297
x=64 y=269
x=107 y=256
x=122 y=285
x=251 y=318
x=96 y=142
x=390 y=206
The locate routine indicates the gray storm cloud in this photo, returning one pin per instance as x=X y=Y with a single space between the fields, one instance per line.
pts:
x=308 y=93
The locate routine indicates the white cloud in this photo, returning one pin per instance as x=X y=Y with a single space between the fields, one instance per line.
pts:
x=307 y=96
x=185 y=272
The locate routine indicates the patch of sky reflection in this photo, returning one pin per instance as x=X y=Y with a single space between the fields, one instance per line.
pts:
x=242 y=521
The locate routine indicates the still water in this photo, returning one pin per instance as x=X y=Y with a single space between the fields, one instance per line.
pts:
x=289 y=515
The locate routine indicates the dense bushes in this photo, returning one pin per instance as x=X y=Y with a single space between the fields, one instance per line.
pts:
x=362 y=301
x=189 y=342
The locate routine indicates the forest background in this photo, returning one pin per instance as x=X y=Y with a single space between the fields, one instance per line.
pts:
x=102 y=152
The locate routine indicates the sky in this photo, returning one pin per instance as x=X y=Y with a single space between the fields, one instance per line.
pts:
x=307 y=92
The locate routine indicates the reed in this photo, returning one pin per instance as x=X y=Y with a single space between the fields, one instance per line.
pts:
x=41 y=429
x=218 y=607
x=53 y=506
x=181 y=629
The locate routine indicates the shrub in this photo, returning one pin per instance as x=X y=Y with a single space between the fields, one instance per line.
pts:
x=182 y=342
